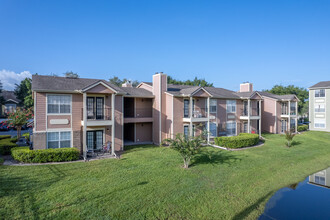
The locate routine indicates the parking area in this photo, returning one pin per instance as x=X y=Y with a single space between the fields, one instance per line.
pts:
x=14 y=132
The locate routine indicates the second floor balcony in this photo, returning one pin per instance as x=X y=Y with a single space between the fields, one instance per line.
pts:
x=97 y=117
x=253 y=112
x=137 y=112
x=287 y=110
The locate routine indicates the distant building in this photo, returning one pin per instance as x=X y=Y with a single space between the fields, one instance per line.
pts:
x=319 y=104
x=11 y=103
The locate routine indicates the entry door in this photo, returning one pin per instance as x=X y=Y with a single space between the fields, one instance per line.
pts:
x=90 y=107
x=283 y=126
x=94 y=140
x=245 y=127
x=245 y=107
x=99 y=107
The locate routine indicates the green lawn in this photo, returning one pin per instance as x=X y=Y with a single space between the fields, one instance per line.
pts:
x=148 y=182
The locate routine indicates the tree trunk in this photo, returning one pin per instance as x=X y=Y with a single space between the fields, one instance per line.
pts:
x=19 y=132
x=186 y=162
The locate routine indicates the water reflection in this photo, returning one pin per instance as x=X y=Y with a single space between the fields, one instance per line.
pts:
x=321 y=178
x=309 y=199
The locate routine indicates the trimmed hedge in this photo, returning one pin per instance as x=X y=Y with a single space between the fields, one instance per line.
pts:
x=6 y=145
x=242 y=140
x=302 y=128
x=24 y=154
x=5 y=137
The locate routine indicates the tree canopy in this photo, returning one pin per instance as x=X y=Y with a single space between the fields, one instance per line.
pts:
x=300 y=92
x=71 y=74
x=118 y=82
x=2 y=100
x=195 y=82
x=23 y=93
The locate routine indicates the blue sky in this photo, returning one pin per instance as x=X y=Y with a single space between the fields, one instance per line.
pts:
x=225 y=42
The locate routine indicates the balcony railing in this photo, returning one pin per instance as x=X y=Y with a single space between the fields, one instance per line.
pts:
x=197 y=113
x=99 y=114
x=139 y=113
x=253 y=112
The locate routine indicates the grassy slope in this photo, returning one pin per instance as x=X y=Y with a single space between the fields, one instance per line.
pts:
x=148 y=182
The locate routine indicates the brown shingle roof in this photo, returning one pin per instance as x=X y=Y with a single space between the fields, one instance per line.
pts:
x=64 y=84
x=278 y=97
x=323 y=84
x=9 y=95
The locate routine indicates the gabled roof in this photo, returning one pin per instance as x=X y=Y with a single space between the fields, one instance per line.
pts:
x=279 y=97
x=186 y=90
x=70 y=85
x=9 y=96
x=137 y=92
x=322 y=84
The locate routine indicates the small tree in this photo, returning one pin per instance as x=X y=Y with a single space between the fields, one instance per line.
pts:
x=19 y=118
x=186 y=146
x=289 y=135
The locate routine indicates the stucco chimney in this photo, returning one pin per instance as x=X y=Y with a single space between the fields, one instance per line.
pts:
x=246 y=87
x=127 y=84
x=159 y=83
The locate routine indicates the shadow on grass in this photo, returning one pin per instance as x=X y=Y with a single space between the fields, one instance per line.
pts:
x=213 y=158
x=243 y=214
x=295 y=143
x=138 y=147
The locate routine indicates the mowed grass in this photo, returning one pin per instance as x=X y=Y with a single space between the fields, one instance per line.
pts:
x=148 y=182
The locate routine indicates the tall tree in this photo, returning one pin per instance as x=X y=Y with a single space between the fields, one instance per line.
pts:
x=2 y=100
x=195 y=82
x=23 y=93
x=300 y=92
x=71 y=74
x=118 y=82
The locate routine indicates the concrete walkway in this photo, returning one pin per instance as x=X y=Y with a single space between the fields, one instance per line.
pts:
x=237 y=149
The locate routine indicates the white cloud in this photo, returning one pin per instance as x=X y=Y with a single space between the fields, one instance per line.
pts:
x=9 y=78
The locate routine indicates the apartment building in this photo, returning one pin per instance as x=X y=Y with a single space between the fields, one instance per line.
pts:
x=87 y=113
x=319 y=103
x=279 y=113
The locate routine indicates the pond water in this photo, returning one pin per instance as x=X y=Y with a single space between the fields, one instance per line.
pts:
x=309 y=199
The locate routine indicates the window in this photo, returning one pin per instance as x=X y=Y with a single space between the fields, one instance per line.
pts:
x=59 y=139
x=59 y=104
x=10 y=108
x=213 y=105
x=319 y=123
x=292 y=108
x=213 y=129
x=283 y=126
x=231 y=128
x=231 y=106
x=320 y=180
x=292 y=124
x=284 y=108
x=319 y=108
x=186 y=130
x=320 y=93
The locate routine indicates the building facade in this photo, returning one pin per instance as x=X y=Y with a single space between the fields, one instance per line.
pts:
x=88 y=113
x=319 y=104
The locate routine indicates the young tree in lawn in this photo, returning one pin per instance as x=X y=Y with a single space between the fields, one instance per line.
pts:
x=186 y=146
x=289 y=135
x=19 y=118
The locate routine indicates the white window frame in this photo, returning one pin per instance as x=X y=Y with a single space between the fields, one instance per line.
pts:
x=319 y=93
x=319 y=122
x=50 y=94
x=215 y=105
x=59 y=138
x=231 y=103
x=231 y=122
x=317 y=108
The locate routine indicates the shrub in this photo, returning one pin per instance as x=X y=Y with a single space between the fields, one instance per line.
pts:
x=26 y=135
x=6 y=145
x=242 y=140
x=5 y=137
x=302 y=128
x=24 y=154
x=289 y=135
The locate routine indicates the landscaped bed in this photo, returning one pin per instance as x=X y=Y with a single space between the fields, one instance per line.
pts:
x=240 y=141
x=149 y=182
